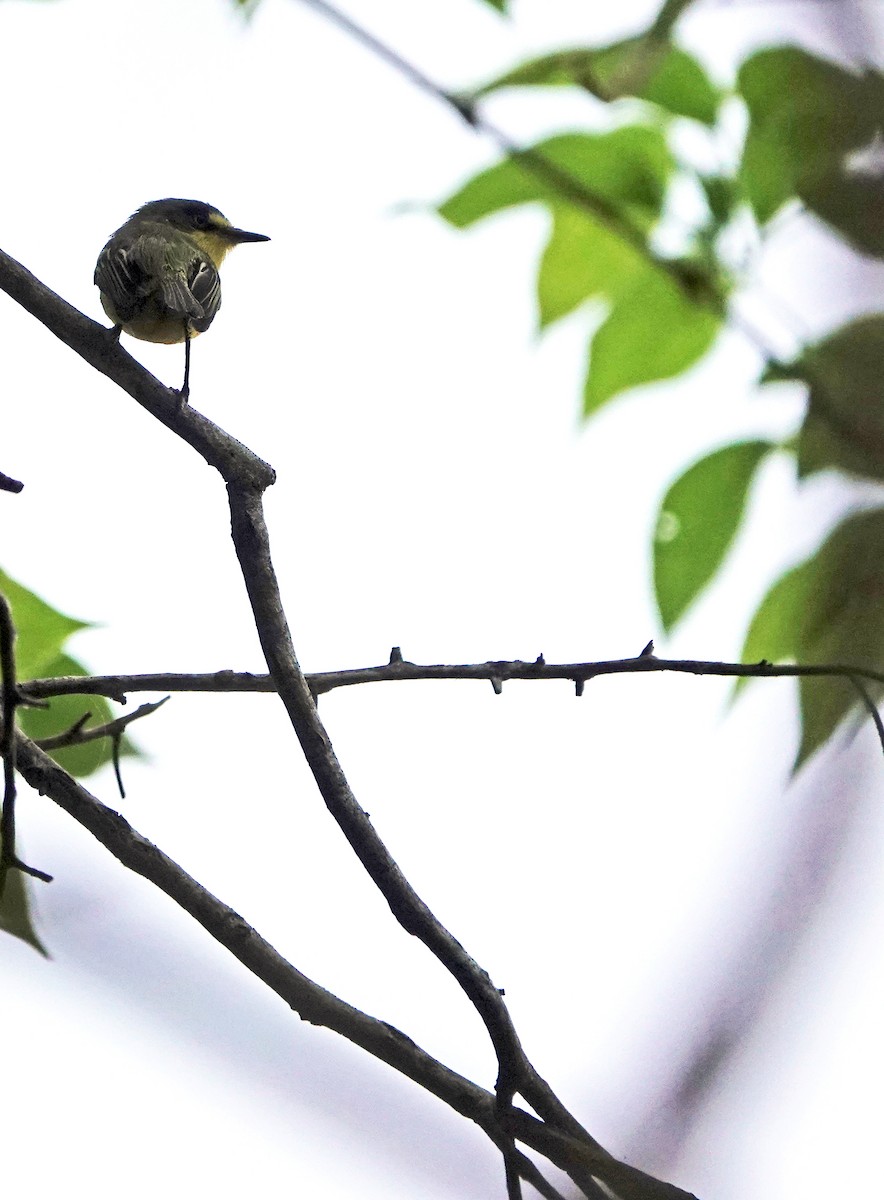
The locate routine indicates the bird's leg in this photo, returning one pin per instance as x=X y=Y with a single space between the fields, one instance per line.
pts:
x=184 y=394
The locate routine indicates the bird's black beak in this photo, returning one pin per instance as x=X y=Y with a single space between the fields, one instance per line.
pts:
x=242 y=235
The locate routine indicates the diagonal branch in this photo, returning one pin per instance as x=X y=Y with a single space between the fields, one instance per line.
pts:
x=568 y=186
x=97 y=345
x=308 y=999
x=516 y=1074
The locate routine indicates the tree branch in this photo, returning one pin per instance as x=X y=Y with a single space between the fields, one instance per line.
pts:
x=246 y=477
x=515 y=1074
x=308 y=999
x=400 y=670
x=102 y=350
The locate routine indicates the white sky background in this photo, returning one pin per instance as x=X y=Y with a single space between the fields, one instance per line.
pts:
x=435 y=491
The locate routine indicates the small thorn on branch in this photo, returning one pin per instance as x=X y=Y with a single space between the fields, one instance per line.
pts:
x=648 y=651
x=465 y=106
x=579 y=685
x=115 y=759
x=396 y=655
x=497 y=684
x=540 y=661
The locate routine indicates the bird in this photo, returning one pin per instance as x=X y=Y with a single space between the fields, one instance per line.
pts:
x=158 y=278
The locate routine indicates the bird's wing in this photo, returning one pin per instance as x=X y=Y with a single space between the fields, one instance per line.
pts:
x=121 y=277
x=205 y=287
x=129 y=274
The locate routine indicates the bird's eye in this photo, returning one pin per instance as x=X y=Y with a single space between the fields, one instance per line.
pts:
x=201 y=220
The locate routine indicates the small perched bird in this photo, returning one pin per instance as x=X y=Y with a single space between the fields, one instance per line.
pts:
x=158 y=274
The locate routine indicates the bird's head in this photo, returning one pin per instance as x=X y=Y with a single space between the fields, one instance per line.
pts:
x=202 y=223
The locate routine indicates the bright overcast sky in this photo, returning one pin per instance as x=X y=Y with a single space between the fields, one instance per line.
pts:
x=436 y=492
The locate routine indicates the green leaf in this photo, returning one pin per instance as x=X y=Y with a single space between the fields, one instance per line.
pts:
x=583 y=258
x=41 y=629
x=652 y=332
x=64 y=712
x=41 y=634
x=805 y=115
x=15 y=911
x=722 y=196
x=773 y=632
x=627 y=169
x=500 y=5
x=828 y=610
x=852 y=203
x=646 y=68
x=844 y=426
x=699 y=518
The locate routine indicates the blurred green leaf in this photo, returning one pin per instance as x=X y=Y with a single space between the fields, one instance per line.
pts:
x=500 y=5
x=41 y=629
x=628 y=168
x=844 y=426
x=774 y=630
x=646 y=68
x=699 y=518
x=722 y=196
x=852 y=203
x=583 y=258
x=830 y=609
x=805 y=115
x=652 y=332
x=15 y=911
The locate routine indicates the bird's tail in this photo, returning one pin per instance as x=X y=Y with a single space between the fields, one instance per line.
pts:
x=177 y=298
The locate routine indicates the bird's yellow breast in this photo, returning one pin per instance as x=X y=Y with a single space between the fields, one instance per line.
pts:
x=151 y=324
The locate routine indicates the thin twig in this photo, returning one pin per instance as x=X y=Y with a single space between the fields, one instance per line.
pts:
x=9 y=702
x=78 y=736
x=513 y=1175
x=870 y=704
x=566 y=185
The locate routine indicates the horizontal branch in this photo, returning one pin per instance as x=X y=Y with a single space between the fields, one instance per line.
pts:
x=399 y=670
